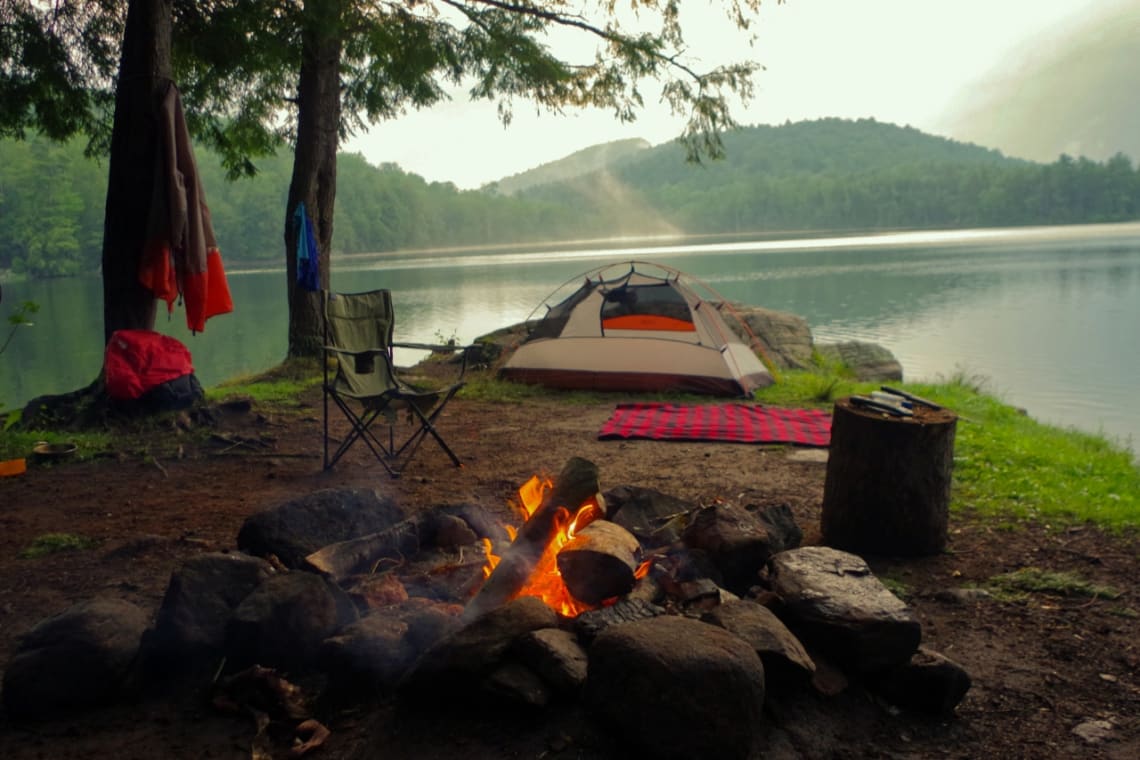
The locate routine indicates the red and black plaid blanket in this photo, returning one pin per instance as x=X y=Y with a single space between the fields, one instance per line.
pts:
x=735 y=423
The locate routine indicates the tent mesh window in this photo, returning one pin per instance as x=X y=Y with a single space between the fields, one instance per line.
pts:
x=555 y=320
x=646 y=307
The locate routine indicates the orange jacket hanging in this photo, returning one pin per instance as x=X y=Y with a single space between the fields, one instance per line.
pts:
x=181 y=256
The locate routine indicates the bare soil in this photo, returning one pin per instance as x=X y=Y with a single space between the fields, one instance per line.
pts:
x=1041 y=665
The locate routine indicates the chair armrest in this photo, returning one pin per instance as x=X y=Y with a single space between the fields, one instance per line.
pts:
x=442 y=349
x=435 y=348
x=361 y=352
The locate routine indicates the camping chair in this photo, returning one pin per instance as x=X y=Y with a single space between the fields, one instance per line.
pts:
x=358 y=336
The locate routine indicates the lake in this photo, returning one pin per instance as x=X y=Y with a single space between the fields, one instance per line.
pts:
x=1048 y=316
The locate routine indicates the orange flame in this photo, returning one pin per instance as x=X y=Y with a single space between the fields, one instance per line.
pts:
x=531 y=493
x=545 y=581
x=492 y=558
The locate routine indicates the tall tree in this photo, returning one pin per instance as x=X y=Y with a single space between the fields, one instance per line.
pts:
x=260 y=73
x=58 y=76
x=145 y=67
x=361 y=61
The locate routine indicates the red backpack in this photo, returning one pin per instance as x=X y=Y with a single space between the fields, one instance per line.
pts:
x=137 y=361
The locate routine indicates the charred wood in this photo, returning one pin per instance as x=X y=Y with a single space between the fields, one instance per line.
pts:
x=364 y=554
x=600 y=562
x=576 y=484
x=590 y=624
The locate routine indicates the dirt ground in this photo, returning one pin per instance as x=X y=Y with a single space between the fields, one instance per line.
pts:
x=1041 y=666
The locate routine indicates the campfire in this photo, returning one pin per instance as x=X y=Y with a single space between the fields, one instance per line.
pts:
x=670 y=622
x=566 y=553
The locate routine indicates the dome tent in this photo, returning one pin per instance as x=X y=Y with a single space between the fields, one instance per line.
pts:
x=639 y=326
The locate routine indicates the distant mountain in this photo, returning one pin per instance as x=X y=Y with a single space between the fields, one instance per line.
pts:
x=838 y=174
x=1072 y=91
x=575 y=165
x=828 y=175
x=833 y=146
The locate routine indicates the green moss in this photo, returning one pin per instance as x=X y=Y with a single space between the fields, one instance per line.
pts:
x=53 y=543
x=1037 y=581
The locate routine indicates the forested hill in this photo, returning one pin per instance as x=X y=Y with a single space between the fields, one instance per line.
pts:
x=822 y=175
x=834 y=174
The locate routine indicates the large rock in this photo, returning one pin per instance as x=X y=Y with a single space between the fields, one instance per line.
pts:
x=657 y=519
x=283 y=622
x=557 y=657
x=785 y=338
x=780 y=522
x=737 y=542
x=930 y=683
x=467 y=656
x=297 y=528
x=674 y=687
x=869 y=362
x=374 y=653
x=201 y=597
x=779 y=649
x=833 y=601
x=77 y=659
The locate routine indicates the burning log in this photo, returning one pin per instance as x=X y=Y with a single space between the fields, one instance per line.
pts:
x=575 y=485
x=600 y=562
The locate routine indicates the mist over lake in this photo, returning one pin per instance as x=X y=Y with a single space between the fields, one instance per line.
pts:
x=1047 y=316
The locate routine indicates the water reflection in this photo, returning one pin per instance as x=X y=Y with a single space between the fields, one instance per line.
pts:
x=1046 y=313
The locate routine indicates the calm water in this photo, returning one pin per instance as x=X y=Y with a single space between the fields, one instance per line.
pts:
x=1048 y=315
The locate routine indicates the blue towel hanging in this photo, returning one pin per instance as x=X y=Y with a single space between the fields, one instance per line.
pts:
x=308 y=257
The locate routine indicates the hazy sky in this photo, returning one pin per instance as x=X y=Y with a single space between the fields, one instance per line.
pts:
x=899 y=61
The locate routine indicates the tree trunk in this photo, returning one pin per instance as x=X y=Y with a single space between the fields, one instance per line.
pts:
x=887 y=489
x=143 y=68
x=314 y=165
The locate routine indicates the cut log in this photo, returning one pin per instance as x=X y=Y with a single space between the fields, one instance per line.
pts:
x=887 y=489
x=599 y=562
x=360 y=555
x=576 y=484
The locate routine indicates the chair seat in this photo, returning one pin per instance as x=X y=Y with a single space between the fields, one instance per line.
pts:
x=358 y=342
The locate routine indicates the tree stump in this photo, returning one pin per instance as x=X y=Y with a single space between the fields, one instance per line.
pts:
x=887 y=489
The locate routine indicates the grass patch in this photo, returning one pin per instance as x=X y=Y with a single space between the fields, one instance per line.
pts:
x=278 y=388
x=53 y=543
x=16 y=443
x=896 y=586
x=1032 y=580
x=484 y=387
x=1008 y=467
x=801 y=388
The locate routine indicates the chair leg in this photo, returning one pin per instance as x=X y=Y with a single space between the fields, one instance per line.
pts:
x=427 y=427
x=360 y=430
x=393 y=459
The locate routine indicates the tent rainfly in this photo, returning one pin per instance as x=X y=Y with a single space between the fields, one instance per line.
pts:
x=643 y=329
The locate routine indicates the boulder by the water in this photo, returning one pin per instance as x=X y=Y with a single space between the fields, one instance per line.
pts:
x=785 y=338
x=868 y=361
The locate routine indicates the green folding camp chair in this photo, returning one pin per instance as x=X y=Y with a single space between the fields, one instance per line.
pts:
x=366 y=388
